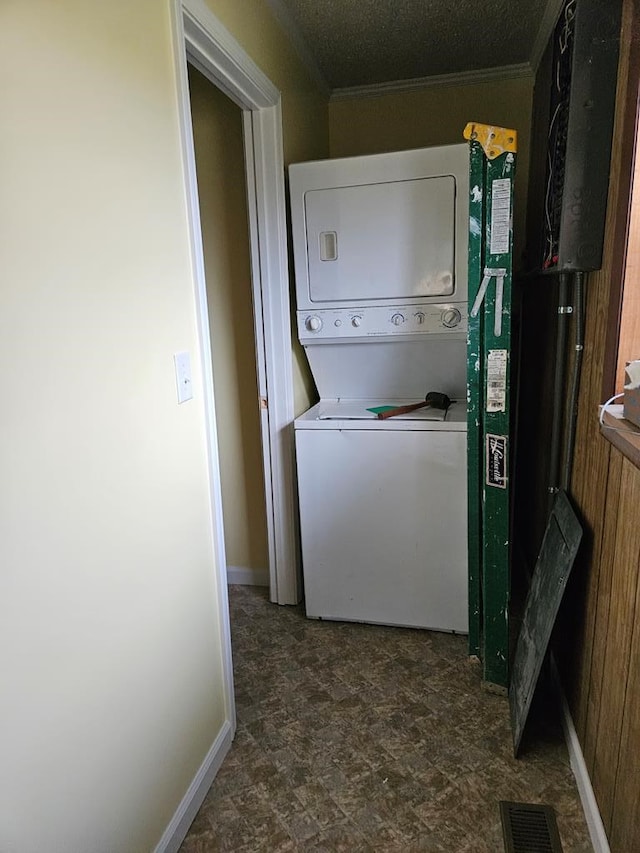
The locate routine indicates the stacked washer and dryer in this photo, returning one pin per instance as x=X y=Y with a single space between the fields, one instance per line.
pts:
x=380 y=252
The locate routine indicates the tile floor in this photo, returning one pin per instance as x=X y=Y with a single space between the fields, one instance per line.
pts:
x=364 y=738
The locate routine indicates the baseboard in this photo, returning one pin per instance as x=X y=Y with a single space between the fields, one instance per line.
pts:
x=178 y=827
x=247 y=577
x=583 y=781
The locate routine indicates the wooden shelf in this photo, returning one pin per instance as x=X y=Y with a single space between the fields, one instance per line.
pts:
x=622 y=434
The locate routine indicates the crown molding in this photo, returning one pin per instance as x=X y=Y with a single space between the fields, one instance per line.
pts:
x=464 y=78
x=286 y=20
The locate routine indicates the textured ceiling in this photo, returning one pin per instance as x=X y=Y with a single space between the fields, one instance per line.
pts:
x=362 y=42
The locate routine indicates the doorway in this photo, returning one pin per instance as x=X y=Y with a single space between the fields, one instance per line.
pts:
x=220 y=169
x=211 y=49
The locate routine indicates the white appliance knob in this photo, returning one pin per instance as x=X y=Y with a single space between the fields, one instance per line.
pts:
x=397 y=319
x=356 y=321
x=450 y=317
x=313 y=324
x=419 y=315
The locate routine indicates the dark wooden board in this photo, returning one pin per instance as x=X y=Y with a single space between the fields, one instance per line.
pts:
x=624 y=833
x=559 y=548
x=611 y=743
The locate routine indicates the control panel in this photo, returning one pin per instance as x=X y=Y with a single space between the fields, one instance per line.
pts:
x=348 y=323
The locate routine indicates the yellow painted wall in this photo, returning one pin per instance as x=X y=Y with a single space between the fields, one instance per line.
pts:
x=437 y=115
x=304 y=115
x=110 y=639
x=217 y=130
x=304 y=108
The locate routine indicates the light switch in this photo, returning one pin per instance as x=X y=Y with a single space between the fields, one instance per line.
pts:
x=182 y=363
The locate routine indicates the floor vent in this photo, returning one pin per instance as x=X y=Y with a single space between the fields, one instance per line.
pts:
x=529 y=828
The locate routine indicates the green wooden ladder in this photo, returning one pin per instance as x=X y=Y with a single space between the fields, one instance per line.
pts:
x=492 y=163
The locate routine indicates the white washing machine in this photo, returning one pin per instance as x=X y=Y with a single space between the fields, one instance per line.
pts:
x=383 y=515
x=380 y=254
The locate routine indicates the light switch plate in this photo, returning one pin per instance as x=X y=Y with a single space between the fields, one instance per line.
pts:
x=182 y=363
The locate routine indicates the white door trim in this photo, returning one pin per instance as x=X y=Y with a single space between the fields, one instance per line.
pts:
x=197 y=262
x=270 y=229
x=214 y=51
x=218 y=55
x=261 y=366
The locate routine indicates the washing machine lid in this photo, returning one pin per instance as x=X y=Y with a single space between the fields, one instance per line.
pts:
x=354 y=415
x=391 y=369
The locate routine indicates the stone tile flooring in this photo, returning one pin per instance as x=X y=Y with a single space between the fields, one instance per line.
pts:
x=364 y=738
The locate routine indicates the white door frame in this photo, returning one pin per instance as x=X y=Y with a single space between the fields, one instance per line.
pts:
x=213 y=51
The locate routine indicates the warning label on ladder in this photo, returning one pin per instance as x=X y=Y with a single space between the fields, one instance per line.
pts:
x=497 y=380
x=500 y=216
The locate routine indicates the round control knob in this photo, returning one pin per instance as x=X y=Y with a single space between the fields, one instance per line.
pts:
x=338 y=322
x=450 y=317
x=313 y=324
x=419 y=315
x=397 y=319
x=356 y=321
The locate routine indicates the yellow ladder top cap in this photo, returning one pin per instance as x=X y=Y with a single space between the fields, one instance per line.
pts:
x=494 y=140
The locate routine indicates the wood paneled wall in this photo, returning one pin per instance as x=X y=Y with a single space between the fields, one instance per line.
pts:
x=610 y=709
x=598 y=636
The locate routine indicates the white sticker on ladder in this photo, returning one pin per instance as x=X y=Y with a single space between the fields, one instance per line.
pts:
x=500 y=216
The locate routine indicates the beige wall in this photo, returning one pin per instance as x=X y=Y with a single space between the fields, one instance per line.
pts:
x=217 y=130
x=304 y=108
x=110 y=643
x=437 y=116
x=629 y=346
x=110 y=640
x=304 y=115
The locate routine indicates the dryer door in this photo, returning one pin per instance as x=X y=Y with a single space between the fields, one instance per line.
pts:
x=392 y=241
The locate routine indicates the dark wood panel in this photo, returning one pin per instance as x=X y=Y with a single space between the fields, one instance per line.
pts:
x=625 y=825
x=619 y=636
x=601 y=626
x=590 y=473
x=598 y=642
x=592 y=451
